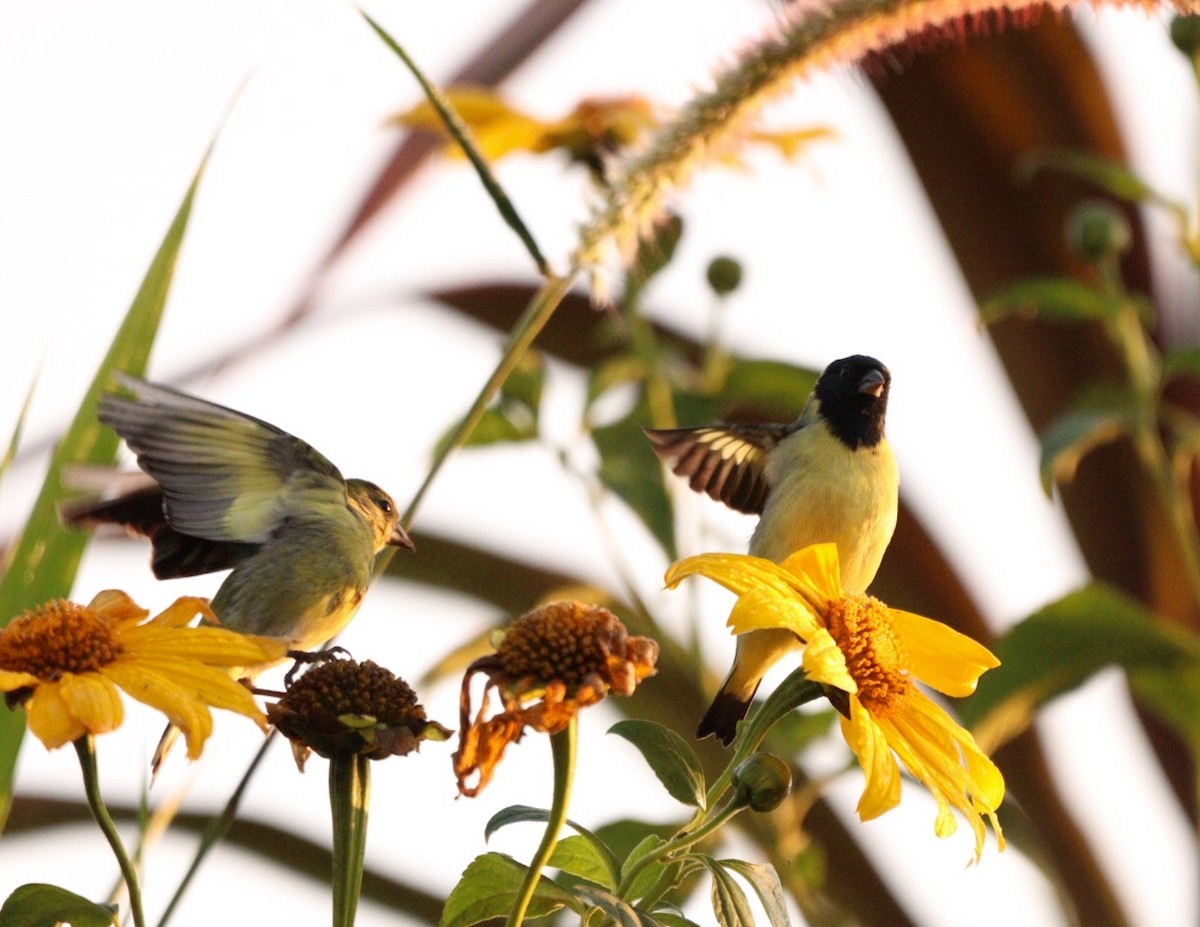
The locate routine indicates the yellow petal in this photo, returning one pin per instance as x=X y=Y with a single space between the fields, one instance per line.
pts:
x=117 y=607
x=50 y=721
x=982 y=778
x=93 y=700
x=940 y=656
x=928 y=742
x=164 y=693
x=212 y=687
x=870 y=746
x=10 y=681
x=824 y=662
x=739 y=573
x=790 y=143
x=814 y=572
x=212 y=646
x=764 y=608
x=181 y=612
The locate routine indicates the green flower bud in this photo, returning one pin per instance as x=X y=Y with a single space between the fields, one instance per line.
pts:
x=724 y=275
x=762 y=781
x=1098 y=229
x=1185 y=33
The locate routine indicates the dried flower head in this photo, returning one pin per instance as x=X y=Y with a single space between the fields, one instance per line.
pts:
x=343 y=708
x=64 y=662
x=551 y=663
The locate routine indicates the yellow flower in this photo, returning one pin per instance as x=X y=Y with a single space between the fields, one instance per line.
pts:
x=552 y=662
x=64 y=662
x=596 y=128
x=874 y=654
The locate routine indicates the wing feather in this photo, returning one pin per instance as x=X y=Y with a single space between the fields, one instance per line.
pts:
x=225 y=475
x=727 y=462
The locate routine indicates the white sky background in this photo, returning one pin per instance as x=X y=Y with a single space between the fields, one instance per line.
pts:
x=106 y=111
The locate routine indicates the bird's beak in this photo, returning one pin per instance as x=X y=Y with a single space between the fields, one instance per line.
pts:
x=873 y=383
x=400 y=538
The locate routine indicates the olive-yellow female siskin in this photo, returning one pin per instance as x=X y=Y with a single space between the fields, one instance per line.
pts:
x=230 y=490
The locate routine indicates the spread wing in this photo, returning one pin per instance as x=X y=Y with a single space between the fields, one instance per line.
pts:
x=728 y=462
x=225 y=476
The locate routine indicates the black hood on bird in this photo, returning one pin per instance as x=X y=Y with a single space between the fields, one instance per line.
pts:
x=853 y=393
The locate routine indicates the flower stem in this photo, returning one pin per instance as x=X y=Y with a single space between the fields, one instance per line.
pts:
x=534 y=319
x=85 y=748
x=562 y=747
x=349 y=799
x=681 y=841
x=217 y=828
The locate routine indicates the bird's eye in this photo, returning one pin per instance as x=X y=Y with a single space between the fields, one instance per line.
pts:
x=386 y=505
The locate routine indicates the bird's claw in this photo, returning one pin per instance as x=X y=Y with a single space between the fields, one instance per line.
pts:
x=305 y=657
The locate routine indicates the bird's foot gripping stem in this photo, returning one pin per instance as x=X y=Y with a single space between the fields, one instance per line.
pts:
x=305 y=657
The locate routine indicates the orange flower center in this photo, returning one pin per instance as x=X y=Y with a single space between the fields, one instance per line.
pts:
x=56 y=638
x=875 y=657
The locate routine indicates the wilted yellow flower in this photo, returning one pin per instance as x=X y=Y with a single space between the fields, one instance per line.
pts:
x=875 y=655
x=552 y=662
x=343 y=708
x=64 y=662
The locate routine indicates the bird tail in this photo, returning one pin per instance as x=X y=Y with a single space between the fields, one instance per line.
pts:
x=723 y=715
x=165 y=743
x=757 y=652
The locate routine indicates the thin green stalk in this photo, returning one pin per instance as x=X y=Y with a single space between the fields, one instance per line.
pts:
x=795 y=690
x=681 y=841
x=532 y=321
x=85 y=748
x=1144 y=369
x=562 y=746
x=217 y=828
x=461 y=134
x=349 y=799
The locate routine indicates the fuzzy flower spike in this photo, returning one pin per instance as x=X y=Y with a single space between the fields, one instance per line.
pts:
x=875 y=655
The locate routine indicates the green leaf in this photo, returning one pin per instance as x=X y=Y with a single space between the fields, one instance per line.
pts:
x=648 y=877
x=495 y=426
x=513 y=417
x=39 y=905
x=15 y=440
x=46 y=557
x=729 y=902
x=669 y=755
x=515 y=814
x=619 y=912
x=524 y=385
x=670 y=919
x=582 y=856
x=655 y=252
x=765 y=882
x=795 y=690
x=488 y=888
x=629 y=469
x=1053 y=299
x=1182 y=361
x=1100 y=415
x=1099 y=170
x=1173 y=694
x=1062 y=645
x=775 y=390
